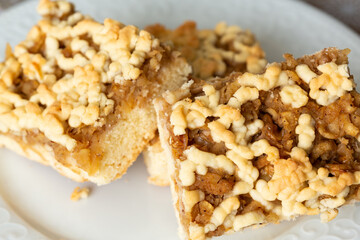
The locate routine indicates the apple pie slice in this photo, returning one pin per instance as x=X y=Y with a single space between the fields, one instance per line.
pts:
x=77 y=94
x=211 y=53
x=255 y=149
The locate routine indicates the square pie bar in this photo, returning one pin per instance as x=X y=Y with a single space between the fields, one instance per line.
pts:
x=77 y=94
x=214 y=52
x=211 y=53
x=261 y=148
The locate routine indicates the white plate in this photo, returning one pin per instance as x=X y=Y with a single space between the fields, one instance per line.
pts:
x=34 y=199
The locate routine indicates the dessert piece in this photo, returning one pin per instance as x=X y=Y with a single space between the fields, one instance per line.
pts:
x=214 y=52
x=211 y=53
x=263 y=148
x=77 y=94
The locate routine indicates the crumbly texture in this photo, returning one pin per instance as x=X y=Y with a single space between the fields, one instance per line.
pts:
x=79 y=193
x=76 y=94
x=156 y=163
x=244 y=155
x=212 y=53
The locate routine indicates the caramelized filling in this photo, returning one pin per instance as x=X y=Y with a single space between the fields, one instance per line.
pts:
x=214 y=182
x=220 y=230
x=201 y=212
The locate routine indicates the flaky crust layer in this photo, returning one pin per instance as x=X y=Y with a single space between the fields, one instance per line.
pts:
x=111 y=169
x=43 y=155
x=156 y=163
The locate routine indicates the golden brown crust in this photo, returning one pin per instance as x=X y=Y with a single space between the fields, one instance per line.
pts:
x=273 y=162
x=156 y=163
x=74 y=80
x=41 y=154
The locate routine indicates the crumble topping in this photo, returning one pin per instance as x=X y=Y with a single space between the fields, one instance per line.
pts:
x=330 y=85
x=273 y=77
x=58 y=77
x=306 y=131
x=216 y=52
x=273 y=164
x=247 y=219
x=200 y=161
x=244 y=50
x=294 y=95
x=57 y=9
x=225 y=208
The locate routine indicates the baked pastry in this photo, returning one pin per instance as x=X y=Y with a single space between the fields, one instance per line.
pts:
x=211 y=53
x=258 y=149
x=214 y=52
x=77 y=94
